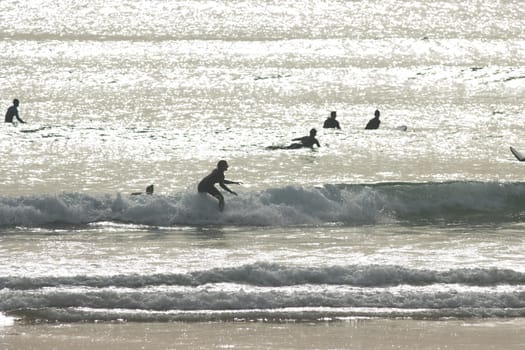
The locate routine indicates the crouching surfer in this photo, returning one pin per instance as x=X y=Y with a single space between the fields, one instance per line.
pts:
x=207 y=185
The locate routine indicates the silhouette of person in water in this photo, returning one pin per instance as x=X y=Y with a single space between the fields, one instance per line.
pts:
x=306 y=141
x=331 y=123
x=207 y=185
x=149 y=191
x=374 y=122
x=13 y=112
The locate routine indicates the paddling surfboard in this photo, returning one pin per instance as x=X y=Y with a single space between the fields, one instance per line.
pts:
x=149 y=190
x=517 y=154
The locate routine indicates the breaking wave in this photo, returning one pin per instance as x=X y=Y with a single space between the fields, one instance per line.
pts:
x=268 y=291
x=286 y=206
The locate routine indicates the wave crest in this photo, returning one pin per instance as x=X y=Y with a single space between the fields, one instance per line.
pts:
x=286 y=206
x=276 y=275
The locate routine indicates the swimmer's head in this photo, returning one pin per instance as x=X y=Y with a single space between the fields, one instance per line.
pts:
x=333 y=114
x=313 y=132
x=377 y=113
x=222 y=165
x=16 y=102
x=149 y=189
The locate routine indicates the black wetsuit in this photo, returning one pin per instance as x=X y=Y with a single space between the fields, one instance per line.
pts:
x=11 y=113
x=331 y=123
x=306 y=141
x=207 y=185
x=373 y=124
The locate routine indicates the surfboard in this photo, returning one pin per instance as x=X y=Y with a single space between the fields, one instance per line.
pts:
x=149 y=190
x=517 y=154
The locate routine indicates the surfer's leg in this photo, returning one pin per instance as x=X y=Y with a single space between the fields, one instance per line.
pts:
x=215 y=193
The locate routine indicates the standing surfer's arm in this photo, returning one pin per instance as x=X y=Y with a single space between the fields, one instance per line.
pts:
x=223 y=185
x=229 y=182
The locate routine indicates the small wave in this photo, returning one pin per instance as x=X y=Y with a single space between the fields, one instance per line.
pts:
x=285 y=206
x=305 y=314
x=267 y=291
x=276 y=275
x=201 y=303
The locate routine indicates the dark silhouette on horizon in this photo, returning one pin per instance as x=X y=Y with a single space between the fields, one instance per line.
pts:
x=374 y=122
x=305 y=141
x=12 y=112
x=331 y=123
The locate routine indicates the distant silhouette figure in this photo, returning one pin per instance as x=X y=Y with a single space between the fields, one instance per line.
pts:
x=13 y=112
x=207 y=185
x=331 y=123
x=306 y=141
x=149 y=190
x=374 y=122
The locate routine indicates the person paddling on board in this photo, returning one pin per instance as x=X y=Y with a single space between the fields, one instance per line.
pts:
x=207 y=185
x=13 y=112
x=149 y=191
x=306 y=141
x=331 y=123
x=374 y=122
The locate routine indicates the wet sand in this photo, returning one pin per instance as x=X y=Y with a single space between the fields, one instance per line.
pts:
x=354 y=334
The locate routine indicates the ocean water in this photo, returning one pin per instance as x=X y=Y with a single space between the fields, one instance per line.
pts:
x=426 y=223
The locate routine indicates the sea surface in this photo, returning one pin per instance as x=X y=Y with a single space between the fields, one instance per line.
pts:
x=425 y=223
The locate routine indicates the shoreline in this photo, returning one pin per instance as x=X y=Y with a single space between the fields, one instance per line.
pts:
x=479 y=334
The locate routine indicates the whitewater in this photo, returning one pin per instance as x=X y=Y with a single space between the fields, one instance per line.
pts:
x=421 y=219
x=410 y=203
x=285 y=254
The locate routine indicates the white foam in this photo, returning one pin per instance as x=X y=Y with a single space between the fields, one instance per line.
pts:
x=275 y=275
x=262 y=290
x=291 y=205
x=6 y=320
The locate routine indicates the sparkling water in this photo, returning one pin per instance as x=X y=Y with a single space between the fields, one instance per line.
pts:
x=425 y=222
